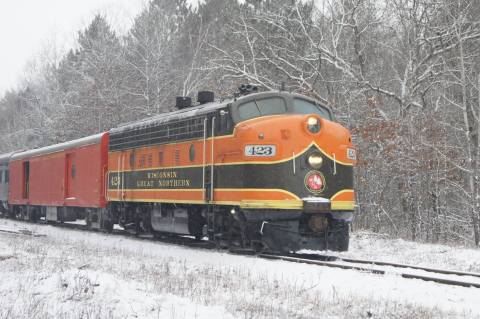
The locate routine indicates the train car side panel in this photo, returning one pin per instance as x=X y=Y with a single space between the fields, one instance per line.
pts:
x=47 y=175
x=72 y=175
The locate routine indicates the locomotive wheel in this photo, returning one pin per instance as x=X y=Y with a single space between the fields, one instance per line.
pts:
x=33 y=215
x=157 y=235
x=21 y=213
x=107 y=225
x=195 y=224
x=259 y=247
x=88 y=220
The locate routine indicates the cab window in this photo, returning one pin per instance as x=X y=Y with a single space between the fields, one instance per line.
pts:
x=248 y=111
x=301 y=106
x=263 y=107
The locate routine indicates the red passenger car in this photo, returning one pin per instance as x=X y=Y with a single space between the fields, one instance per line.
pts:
x=60 y=182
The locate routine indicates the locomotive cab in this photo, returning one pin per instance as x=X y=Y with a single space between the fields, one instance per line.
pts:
x=299 y=158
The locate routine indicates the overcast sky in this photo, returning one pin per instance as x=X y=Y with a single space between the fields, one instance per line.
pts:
x=29 y=28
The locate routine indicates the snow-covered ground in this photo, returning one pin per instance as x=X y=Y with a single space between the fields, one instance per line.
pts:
x=74 y=274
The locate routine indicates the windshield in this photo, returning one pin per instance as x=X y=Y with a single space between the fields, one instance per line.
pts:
x=301 y=106
x=257 y=108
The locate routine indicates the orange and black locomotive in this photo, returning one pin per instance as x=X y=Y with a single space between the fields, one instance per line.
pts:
x=268 y=169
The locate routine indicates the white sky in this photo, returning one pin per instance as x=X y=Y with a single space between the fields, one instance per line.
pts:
x=31 y=28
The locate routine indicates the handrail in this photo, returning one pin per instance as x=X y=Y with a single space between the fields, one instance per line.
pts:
x=213 y=159
x=204 y=155
x=118 y=175
x=123 y=176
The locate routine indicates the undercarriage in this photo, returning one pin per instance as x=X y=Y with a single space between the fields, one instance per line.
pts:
x=230 y=227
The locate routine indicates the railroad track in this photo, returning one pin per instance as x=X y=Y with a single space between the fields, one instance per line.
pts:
x=21 y=232
x=358 y=264
x=369 y=266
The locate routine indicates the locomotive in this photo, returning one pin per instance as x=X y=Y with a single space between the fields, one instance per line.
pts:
x=262 y=170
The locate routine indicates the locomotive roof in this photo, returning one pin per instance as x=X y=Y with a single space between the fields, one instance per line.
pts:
x=173 y=116
x=93 y=139
x=197 y=110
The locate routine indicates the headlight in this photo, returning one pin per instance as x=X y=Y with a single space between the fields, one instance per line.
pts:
x=315 y=160
x=313 y=124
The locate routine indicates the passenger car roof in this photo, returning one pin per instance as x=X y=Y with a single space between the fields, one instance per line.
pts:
x=5 y=158
x=93 y=139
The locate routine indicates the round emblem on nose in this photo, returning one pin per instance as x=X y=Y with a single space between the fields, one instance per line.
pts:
x=315 y=182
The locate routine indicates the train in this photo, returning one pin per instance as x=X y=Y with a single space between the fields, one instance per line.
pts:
x=260 y=171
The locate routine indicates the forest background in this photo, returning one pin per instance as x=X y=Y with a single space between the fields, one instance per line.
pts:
x=402 y=75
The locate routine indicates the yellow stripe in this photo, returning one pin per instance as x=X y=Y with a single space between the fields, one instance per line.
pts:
x=163 y=167
x=343 y=205
x=286 y=159
x=330 y=157
x=258 y=119
x=155 y=190
x=252 y=204
x=201 y=189
x=257 y=190
x=271 y=204
x=248 y=204
x=152 y=200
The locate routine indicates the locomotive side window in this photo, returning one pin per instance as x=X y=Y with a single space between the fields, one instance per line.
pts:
x=7 y=178
x=224 y=122
x=269 y=106
x=301 y=106
x=1 y=177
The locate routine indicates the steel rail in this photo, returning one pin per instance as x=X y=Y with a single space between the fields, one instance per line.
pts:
x=333 y=264
x=396 y=265
x=24 y=232
x=385 y=263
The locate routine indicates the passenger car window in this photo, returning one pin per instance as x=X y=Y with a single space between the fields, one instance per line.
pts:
x=257 y=108
x=301 y=106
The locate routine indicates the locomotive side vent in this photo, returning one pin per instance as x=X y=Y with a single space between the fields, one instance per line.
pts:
x=183 y=102
x=205 y=97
